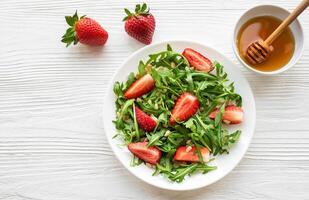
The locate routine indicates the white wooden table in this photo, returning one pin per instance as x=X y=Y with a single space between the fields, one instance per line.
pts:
x=52 y=142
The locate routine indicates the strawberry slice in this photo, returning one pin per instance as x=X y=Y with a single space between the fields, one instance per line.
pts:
x=232 y=114
x=146 y=122
x=189 y=154
x=197 y=60
x=186 y=106
x=140 y=87
x=150 y=155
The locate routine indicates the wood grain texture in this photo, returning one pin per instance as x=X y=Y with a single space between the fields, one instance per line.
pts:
x=52 y=142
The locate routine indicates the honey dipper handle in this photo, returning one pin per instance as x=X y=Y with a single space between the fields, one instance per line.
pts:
x=299 y=9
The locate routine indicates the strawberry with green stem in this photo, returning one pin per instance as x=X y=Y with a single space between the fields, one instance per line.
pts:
x=141 y=24
x=84 y=30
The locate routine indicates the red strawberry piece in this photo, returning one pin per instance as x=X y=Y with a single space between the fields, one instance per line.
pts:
x=185 y=106
x=146 y=122
x=84 y=30
x=189 y=154
x=150 y=155
x=197 y=60
x=141 y=24
x=231 y=115
x=140 y=87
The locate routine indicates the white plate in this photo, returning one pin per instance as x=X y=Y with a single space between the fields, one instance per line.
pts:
x=225 y=163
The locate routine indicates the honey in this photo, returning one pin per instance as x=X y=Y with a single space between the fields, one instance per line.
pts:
x=260 y=28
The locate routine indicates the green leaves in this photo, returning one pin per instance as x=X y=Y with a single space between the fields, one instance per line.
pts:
x=141 y=69
x=71 y=20
x=135 y=161
x=131 y=79
x=190 y=125
x=173 y=76
x=187 y=170
x=218 y=118
x=144 y=7
x=183 y=171
x=70 y=35
x=135 y=123
x=140 y=9
x=129 y=14
x=218 y=125
x=169 y=48
x=178 y=172
x=118 y=89
x=154 y=139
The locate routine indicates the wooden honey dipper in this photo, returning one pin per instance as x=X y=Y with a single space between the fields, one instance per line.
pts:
x=260 y=50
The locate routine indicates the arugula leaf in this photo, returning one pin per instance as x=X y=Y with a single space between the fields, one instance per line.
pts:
x=141 y=68
x=169 y=48
x=135 y=161
x=154 y=139
x=135 y=123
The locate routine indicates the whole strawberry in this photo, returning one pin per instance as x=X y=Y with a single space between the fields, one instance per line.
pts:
x=141 y=24
x=84 y=30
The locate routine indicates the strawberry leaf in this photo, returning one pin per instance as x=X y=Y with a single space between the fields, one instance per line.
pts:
x=127 y=12
x=137 y=8
x=140 y=9
x=144 y=7
x=70 y=35
x=69 y=20
x=75 y=16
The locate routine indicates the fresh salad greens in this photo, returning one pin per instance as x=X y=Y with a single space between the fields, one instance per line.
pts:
x=173 y=76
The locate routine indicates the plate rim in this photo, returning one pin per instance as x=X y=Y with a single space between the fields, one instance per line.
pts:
x=111 y=83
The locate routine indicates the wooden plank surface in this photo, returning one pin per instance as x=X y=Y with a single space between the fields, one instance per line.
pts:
x=52 y=142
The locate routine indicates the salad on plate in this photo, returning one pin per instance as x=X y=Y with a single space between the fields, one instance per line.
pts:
x=174 y=113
